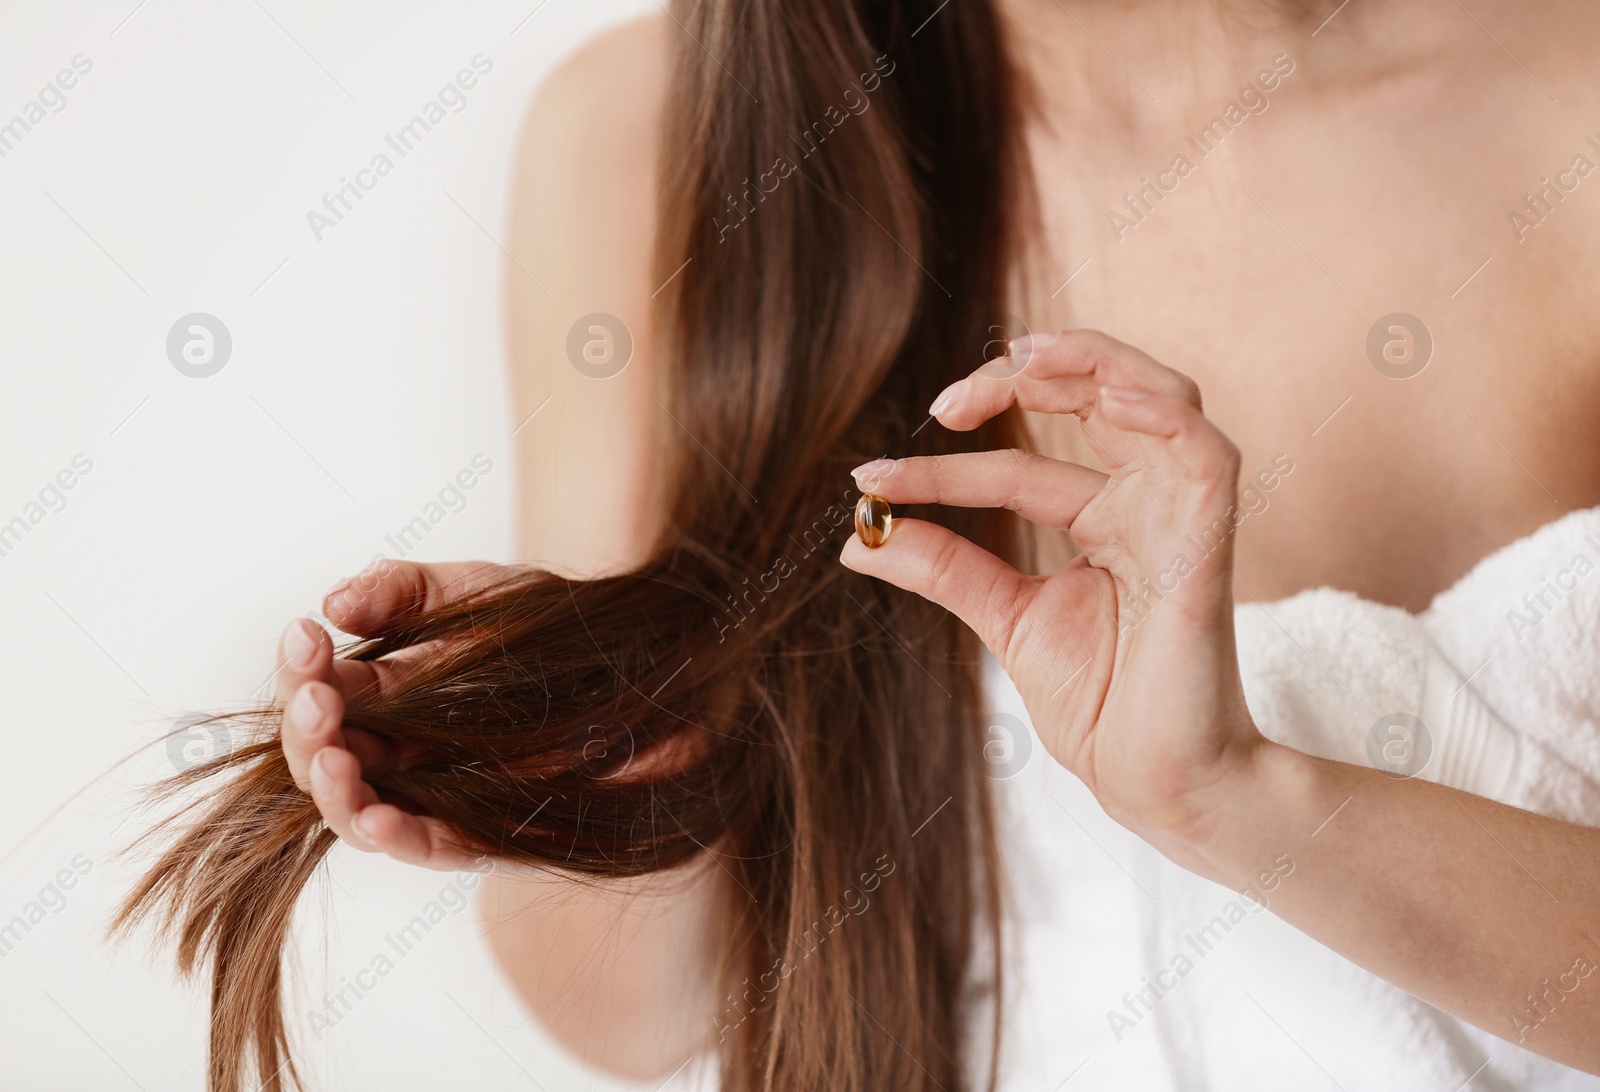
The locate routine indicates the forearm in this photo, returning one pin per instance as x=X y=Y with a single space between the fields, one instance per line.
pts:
x=1486 y=911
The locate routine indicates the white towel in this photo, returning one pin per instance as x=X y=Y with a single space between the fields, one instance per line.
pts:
x=1507 y=691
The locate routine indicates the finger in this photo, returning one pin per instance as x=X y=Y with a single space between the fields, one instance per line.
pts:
x=415 y=839
x=310 y=723
x=390 y=591
x=941 y=566
x=339 y=792
x=305 y=654
x=1183 y=437
x=312 y=719
x=1062 y=375
x=1105 y=360
x=1046 y=491
x=1186 y=496
x=366 y=681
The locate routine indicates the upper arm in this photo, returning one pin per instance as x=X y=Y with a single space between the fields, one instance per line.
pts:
x=581 y=240
x=618 y=972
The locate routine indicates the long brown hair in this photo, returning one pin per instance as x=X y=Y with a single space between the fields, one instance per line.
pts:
x=835 y=721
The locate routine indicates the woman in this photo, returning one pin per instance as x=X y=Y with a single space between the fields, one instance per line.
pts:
x=847 y=203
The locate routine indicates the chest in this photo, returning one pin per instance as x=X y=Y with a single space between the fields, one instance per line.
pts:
x=1397 y=296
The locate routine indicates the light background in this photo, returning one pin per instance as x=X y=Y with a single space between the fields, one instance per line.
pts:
x=366 y=371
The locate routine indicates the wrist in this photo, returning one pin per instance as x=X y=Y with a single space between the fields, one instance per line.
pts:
x=1228 y=827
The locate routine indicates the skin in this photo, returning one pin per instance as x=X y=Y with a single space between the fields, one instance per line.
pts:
x=1377 y=180
x=1391 y=154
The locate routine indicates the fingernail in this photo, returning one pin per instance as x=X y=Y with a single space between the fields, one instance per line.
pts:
x=320 y=779
x=299 y=645
x=873 y=472
x=947 y=398
x=338 y=597
x=1029 y=342
x=1123 y=394
x=305 y=710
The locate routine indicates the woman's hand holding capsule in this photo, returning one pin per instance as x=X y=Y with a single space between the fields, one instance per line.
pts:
x=1150 y=714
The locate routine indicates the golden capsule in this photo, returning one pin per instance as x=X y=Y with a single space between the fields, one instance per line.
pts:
x=874 y=520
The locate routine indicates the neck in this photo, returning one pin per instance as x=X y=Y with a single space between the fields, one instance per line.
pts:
x=1134 y=66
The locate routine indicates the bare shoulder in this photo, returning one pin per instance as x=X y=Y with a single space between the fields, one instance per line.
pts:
x=606 y=94
x=578 y=296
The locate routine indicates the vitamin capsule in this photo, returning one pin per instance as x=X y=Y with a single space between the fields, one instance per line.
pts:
x=874 y=521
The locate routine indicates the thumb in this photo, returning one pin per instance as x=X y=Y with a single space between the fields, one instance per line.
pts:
x=388 y=592
x=941 y=566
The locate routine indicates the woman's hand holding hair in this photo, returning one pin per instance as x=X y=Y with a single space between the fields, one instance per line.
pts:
x=315 y=687
x=1150 y=715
